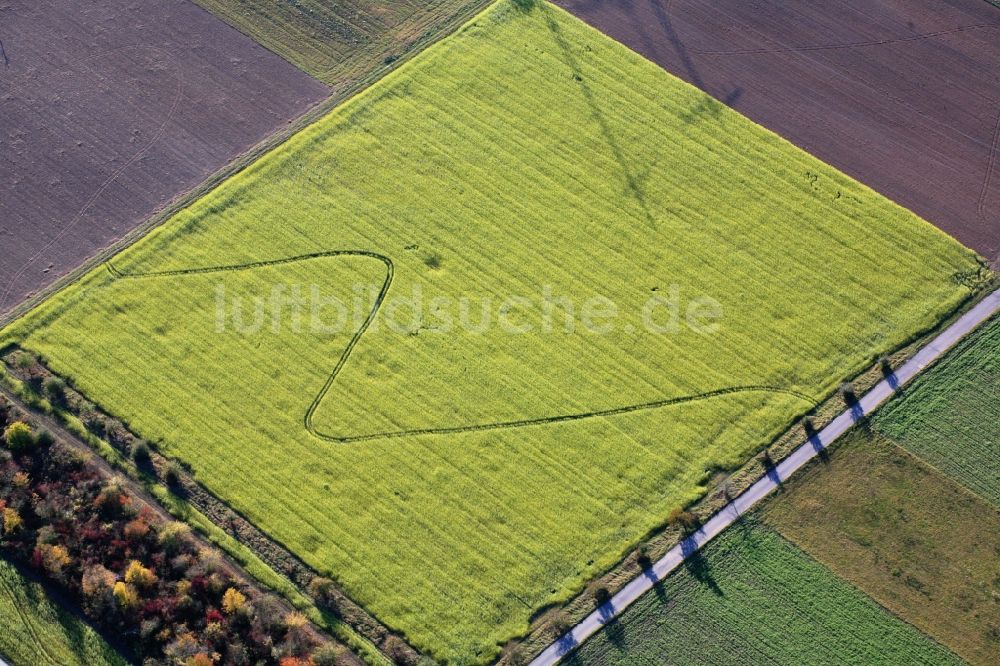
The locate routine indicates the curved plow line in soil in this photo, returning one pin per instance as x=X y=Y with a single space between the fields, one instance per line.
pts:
x=179 y=95
x=26 y=621
x=849 y=45
x=380 y=299
x=990 y=168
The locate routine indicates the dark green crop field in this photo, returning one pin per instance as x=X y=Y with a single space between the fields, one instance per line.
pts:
x=750 y=598
x=950 y=416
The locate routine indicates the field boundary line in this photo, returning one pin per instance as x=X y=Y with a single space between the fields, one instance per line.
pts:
x=310 y=426
x=773 y=479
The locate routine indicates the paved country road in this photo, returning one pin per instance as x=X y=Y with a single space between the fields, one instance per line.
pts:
x=759 y=490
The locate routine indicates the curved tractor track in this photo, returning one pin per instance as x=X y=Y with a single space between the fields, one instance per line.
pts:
x=390 y=267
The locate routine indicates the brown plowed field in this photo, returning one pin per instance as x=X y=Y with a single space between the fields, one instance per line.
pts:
x=904 y=95
x=111 y=108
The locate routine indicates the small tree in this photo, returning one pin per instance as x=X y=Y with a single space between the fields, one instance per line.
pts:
x=559 y=622
x=174 y=537
x=233 y=601
x=44 y=438
x=685 y=521
x=126 y=596
x=599 y=593
x=55 y=391
x=139 y=576
x=173 y=475
x=11 y=520
x=848 y=393
x=140 y=452
x=642 y=557
x=55 y=559
x=19 y=437
x=135 y=530
x=326 y=655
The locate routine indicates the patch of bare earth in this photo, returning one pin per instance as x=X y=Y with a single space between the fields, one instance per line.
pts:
x=109 y=109
x=904 y=95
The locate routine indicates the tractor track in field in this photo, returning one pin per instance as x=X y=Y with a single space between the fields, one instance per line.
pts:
x=451 y=430
x=733 y=512
x=990 y=168
x=28 y=625
x=848 y=45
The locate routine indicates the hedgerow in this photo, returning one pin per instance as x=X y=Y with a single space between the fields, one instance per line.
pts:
x=135 y=574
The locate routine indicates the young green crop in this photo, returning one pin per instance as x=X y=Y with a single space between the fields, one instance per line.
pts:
x=753 y=598
x=950 y=416
x=36 y=632
x=454 y=479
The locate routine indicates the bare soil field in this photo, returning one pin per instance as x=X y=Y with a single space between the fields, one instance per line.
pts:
x=109 y=110
x=902 y=94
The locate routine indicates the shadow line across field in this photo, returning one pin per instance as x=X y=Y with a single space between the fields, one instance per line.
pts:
x=451 y=430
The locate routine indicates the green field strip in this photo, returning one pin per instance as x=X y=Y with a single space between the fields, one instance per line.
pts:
x=752 y=597
x=915 y=540
x=950 y=417
x=34 y=631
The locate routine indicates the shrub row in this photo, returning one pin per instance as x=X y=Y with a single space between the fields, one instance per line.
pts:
x=135 y=574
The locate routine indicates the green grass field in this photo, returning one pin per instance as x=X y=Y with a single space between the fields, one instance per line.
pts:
x=916 y=541
x=950 y=416
x=339 y=42
x=36 y=632
x=456 y=480
x=753 y=598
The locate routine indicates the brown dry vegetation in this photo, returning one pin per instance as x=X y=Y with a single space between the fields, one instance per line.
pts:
x=346 y=41
x=913 y=539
